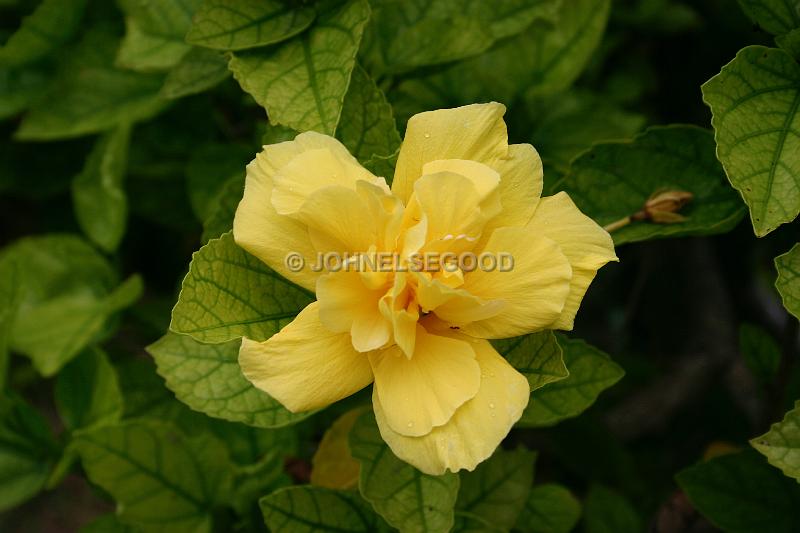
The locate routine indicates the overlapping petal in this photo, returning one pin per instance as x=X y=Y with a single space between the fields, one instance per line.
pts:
x=476 y=428
x=586 y=245
x=423 y=391
x=305 y=365
x=535 y=290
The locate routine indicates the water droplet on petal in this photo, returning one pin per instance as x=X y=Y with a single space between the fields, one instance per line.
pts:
x=491 y=406
x=427 y=135
x=411 y=424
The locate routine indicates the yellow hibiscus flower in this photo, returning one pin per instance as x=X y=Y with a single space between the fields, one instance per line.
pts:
x=443 y=398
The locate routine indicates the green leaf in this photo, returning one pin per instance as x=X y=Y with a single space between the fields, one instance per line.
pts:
x=302 y=82
x=613 y=180
x=775 y=16
x=761 y=353
x=741 y=493
x=97 y=193
x=790 y=42
x=45 y=30
x=367 y=126
x=154 y=36
x=160 y=478
x=91 y=101
x=568 y=124
x=198 y=71
x=590 y=373
x=405 y=35
x=107 y=523
x=241 y=24
x=27 y=451
x=20 y=88
x=208 y=171
x=308 y=509
x=563 y=50
x=405 y=497
x=65 y=297
x=788 y=282
x=220 y=219
x=550 y=508
x=87 y=392
x=606 y=511
x=228 y=294
x=555 y=55
x=208 y=379
x=496 y=491
x=781 y=444
x=537 y=356
x=755 y=101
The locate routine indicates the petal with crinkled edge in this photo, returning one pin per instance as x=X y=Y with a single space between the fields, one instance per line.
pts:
x=475 y=430
x=534 y=290
x=258 y=228
x=474 y=132
x=305 y=366
x=586 y=245
x=423 y=391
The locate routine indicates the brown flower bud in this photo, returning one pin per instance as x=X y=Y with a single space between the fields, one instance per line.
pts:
x=663 y=206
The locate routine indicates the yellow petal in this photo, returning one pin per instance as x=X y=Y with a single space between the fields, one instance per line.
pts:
x=346 y=305
x=313 y=169
x=474 y=132
x=402 y=311
x=534 y=291
x=451 y=206
x=454 y=306
x=305 y=366
x=259 y=229
x=422 y=392
x=333 y=465
x=475 y=430
x=586 y=245
x=521 y=179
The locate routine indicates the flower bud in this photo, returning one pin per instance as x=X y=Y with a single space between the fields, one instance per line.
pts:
x=662 y=207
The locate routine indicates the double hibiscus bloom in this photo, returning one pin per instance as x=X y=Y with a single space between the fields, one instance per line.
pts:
x=443 y=397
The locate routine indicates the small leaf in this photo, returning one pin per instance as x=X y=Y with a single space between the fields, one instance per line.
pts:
x=781 y=444
x=198 y=71
x=788 y=282
x=755 y=101
x=405 y=497
x=775 y=16
x=367 y=127
x=613 y=180
x=229 y=294
x=20 y=88
x=302 y=82
x=65 y=297
x=405 y=35
x=209 y=169
x=537 y=356
x=45 y=30
x=27 y=451
x=568 y=124
x=606 y=511
x=87 y=392
x=97 y=193
x=790 y=42
x=498 y=488
x=308 y=509
x=550 y=508
x=741 y=493
x=208 y=379
x=241 y=24
x=590 y=372
x=220 y=218
x=761 y=353
x=154 y=36
x=159 y=478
